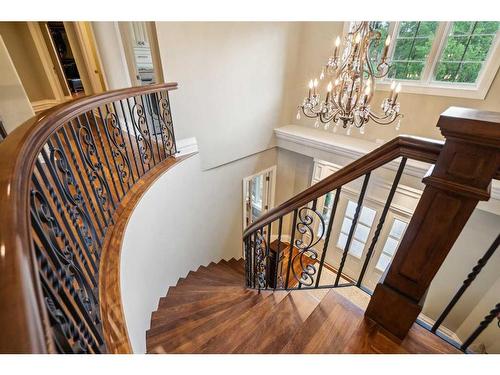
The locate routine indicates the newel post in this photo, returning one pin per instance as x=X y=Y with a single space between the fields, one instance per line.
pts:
x=460 y=178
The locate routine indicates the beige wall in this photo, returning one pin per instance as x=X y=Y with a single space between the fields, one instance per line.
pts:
x=421 y=111
x=111 y=50
x=22 y=50
x=15 y=107
x=233 y=83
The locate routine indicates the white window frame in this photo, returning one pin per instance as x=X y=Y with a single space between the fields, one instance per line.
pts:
x=427 y=85
x=268 y=195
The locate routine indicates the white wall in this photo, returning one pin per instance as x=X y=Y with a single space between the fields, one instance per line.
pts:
x=15 y=107
x=233 y=82
x=188 y=218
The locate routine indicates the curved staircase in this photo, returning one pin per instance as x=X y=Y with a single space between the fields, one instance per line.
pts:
x=211 y=311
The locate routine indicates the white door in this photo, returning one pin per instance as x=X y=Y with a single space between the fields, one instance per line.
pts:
x=389 y=237
x=258 y=195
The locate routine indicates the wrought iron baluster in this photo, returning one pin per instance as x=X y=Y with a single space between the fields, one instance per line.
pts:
x=139 y=139
x=115 y=152
x=295 y=212
x=353 y=227
x=277 y=256
x=482 y=326
x=86 y=259
x=147 y=130
x=123 y=145
x=327 y=236
x=268 y=251
x=79 y=216
x=381 y=222
x=65 y=272
x=160 y=122
x=167 y=124
x=305 y=249
x=154 y=114
x=467 y=282
x=129 y=138
x=105 y=156
x=95 y=180
x=82 y=202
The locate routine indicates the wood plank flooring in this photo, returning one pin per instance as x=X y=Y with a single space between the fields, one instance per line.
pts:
x=210 y=311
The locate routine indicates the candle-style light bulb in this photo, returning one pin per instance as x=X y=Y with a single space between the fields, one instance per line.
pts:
x=367 y=93
x=398 y=89
x=310 y=87
x=393 y=86
x=337 y=44
x=386 y=47
x=329 y=90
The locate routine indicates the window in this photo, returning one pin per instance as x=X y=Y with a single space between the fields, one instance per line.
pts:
x=326 y=213
x=466 y=51
x=441 y=58
x=412 y=47
x=391 y=244
x=361 y=232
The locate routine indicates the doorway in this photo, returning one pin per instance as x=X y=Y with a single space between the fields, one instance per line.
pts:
x=65 y=63
x=258 y=195
x=141 y=52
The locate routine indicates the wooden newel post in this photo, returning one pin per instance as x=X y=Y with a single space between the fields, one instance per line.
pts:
x=460 y=178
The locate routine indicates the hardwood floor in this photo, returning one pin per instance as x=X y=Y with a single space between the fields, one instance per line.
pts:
x=210 y=311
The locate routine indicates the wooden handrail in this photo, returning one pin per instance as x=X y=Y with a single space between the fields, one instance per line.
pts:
x=23 y=320
x=421 y=149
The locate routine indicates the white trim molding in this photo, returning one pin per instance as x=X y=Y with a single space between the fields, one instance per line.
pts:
x=186 y=146
x=326 y=146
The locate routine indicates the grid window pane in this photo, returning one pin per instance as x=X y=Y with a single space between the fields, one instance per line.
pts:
x=397 y=228
x=361 y=233
x=376 y=49
x=466 y=50
x=413 y=45
x=356 y=248
x=390 y=246
x=346 y=225
x=351 y=208
x=342 y=241
x=367 y=216
x=383 y=262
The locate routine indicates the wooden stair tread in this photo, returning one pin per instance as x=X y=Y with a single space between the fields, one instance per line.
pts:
x=211 y=311
x=228 y=340
x=283 y=320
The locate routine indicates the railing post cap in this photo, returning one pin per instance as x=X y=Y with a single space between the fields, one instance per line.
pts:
x=472 y=125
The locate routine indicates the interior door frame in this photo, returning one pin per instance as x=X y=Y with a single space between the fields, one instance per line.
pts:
x=124 y=28
x=268 y=198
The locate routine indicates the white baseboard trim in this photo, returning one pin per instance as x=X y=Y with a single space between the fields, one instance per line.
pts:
x=42 y=105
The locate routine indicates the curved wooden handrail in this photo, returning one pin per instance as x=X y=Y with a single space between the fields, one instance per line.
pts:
x=23 y=318
x=416 y=148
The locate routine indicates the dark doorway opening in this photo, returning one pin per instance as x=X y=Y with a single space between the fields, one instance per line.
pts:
x=66 y=58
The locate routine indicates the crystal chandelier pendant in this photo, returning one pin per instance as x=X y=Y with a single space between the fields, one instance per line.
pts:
x=298 y=115
x=352 y=70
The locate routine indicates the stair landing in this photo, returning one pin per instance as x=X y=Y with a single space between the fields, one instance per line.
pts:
x=210 y=311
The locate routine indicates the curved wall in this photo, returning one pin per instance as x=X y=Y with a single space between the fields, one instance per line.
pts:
x=187 y=218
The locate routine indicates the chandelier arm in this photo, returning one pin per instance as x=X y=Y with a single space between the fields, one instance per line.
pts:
x=384 y=120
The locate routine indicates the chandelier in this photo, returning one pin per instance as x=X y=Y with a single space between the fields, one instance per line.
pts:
x=351 y=84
